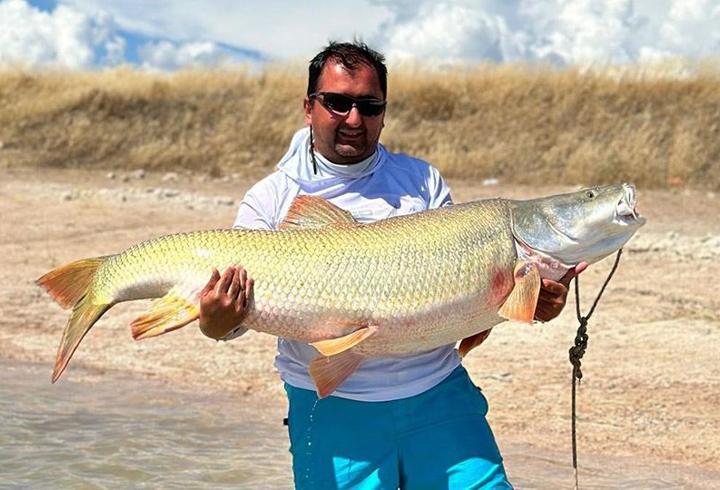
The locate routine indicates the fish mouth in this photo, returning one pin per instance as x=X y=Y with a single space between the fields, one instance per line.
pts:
x=626 y=209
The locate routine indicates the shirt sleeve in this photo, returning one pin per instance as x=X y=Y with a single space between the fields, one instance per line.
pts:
x=439 y=190
x=258 y=209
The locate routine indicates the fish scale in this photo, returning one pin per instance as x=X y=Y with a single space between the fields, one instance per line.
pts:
x=349 y=275
x=393 y=287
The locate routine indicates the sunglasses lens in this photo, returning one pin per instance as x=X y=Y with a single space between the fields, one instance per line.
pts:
x=370 y=108
x=338 y=103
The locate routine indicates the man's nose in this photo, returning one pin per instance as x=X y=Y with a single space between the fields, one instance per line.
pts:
x=354 y=118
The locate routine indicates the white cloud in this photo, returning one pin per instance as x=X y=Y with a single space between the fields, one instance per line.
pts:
x=278 y=28
x=64 y=38
x=560 y=31
x=168 y=56
x=70 y=37
x=92 y=33
x=452 y=32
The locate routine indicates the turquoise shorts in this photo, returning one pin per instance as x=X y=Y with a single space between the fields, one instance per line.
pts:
x=438 y=439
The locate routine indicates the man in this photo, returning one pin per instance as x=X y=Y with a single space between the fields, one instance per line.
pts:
x=409 y=422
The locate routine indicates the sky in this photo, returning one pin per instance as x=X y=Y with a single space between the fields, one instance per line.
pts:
x=168 y=35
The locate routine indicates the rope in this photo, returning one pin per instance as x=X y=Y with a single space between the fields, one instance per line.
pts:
x=577 y=352
x=312 y=152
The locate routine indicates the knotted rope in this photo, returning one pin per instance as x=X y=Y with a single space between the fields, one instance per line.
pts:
x=577 y=352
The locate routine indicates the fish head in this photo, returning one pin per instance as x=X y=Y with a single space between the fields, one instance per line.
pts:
x=583 y=226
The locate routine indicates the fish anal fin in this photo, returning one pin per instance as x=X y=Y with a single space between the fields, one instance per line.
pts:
x=314 y=212
x=329 y=373
x=331 y=347
x=469 y=343
x=520 y=304
x=68 y=283
x=168 y=313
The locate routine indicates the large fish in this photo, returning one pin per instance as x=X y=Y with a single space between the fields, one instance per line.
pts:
x=390 y=288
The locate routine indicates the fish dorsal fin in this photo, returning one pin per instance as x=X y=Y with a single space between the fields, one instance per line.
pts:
x=521 y=303
x=172 y=311
x=469 y=343
x=329 y=373
x=314 y=212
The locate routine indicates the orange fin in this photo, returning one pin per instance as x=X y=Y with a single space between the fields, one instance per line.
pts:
x=84 y=316
x=469 y=343
x=314 y=212
x=335 y=346
x=68 y=283
x=329 y=373
x=166 y=314
x=521 y=303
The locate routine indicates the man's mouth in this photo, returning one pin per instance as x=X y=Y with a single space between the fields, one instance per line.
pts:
x=350 y=134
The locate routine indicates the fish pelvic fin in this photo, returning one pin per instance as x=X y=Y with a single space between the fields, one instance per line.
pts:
x=314 y=212
x=83 y=317
x=520 y=304
x=329 y=373
x=335 y=346
x=166 y=314
x=469 y=343
x=68 y=283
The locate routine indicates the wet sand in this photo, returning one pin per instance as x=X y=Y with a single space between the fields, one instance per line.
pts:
x=651 y=387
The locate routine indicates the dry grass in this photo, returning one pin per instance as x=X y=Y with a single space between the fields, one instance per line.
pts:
x=516 y=123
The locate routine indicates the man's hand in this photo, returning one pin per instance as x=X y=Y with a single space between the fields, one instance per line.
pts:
x=553 y=294
x=224 y=301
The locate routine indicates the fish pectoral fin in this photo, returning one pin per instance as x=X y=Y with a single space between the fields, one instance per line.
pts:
x=314 y=212
x=329 y=373
x=335 y=346
x=521 y=303
x=469 y=343
x=166 y=314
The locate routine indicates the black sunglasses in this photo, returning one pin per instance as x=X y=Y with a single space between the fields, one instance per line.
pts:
x=342 y=104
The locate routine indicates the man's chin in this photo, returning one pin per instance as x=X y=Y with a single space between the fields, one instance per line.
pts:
x=351 y=151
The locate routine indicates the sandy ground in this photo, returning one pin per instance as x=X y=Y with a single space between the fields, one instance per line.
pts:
x=652 y=379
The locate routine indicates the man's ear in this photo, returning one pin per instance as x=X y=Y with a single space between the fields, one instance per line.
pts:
x=307 y=106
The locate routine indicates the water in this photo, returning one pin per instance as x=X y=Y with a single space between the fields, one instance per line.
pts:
x=133 y=433
x=124 y=432
x=308 y=445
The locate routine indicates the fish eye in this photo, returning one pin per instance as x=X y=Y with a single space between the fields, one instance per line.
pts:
x=590 y=194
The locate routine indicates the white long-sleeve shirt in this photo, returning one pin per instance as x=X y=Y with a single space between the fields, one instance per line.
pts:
x=387 y=184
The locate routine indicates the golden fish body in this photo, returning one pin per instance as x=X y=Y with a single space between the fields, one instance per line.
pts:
x=423 y=280
x=393 y=287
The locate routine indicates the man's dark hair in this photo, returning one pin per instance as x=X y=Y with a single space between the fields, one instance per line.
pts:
x=348 y=55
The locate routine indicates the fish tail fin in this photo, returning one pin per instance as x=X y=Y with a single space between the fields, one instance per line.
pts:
x=84 y=315
x=68 y=283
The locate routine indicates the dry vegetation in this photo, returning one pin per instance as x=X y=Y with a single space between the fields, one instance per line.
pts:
x=518 y=124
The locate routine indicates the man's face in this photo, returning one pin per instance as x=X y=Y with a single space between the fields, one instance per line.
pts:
x=351 y=138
